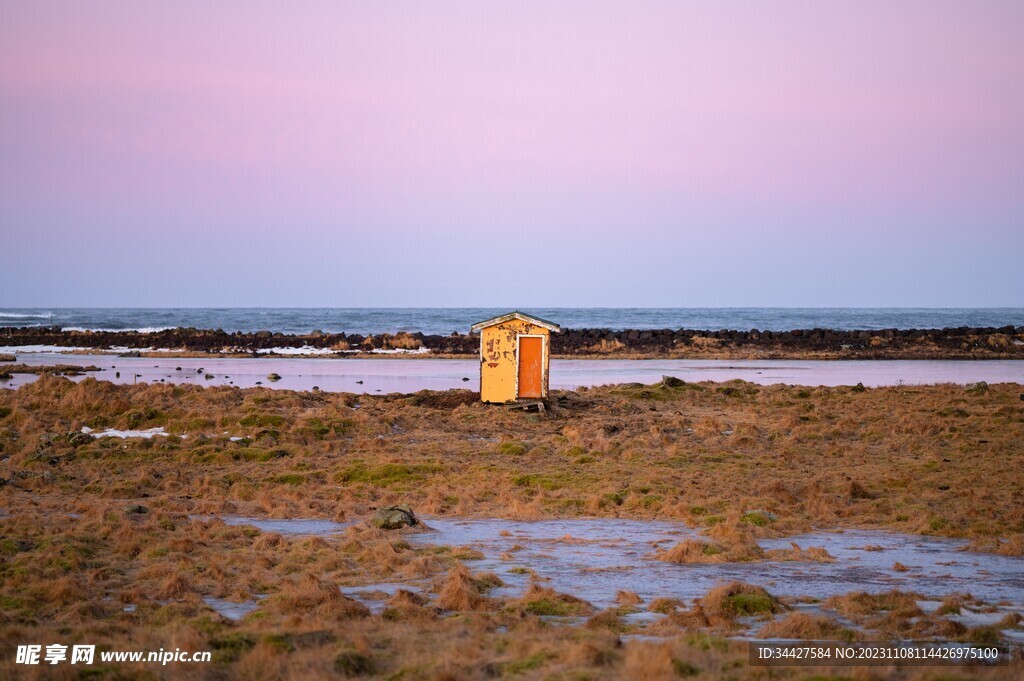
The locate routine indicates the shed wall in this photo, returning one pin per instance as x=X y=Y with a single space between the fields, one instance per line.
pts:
x=498 y=358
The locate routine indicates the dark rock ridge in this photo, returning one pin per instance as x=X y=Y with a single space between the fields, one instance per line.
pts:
x=1005 y=342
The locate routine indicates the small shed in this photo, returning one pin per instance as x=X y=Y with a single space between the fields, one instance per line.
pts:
x=514 y=357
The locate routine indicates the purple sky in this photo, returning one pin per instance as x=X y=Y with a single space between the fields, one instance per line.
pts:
x=530 y=153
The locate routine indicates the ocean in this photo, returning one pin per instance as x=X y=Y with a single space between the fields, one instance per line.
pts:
x=299 y=320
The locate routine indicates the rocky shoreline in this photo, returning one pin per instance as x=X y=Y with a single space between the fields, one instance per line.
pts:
x=949 y=343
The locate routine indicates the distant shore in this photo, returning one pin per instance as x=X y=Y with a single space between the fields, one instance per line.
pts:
x=1005 y=342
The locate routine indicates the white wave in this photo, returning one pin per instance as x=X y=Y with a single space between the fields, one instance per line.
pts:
x=25 y=315
x=143 y=329
x=111 y=432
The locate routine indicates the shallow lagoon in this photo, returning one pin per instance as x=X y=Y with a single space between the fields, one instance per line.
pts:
x=593 y=558
x=411 y=375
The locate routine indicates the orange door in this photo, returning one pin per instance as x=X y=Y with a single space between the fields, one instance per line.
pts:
x=531 y=362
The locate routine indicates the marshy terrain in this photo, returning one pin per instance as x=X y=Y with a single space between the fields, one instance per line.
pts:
x=630 y=531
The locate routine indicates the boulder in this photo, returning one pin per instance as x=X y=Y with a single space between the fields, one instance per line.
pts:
x=394 y=517
x=132 y=509
x=78 y=439
x=672 y=382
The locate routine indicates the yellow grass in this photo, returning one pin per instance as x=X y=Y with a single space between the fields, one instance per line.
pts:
x=741 y=462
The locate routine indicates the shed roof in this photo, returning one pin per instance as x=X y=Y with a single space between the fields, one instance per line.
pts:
x=516 y=314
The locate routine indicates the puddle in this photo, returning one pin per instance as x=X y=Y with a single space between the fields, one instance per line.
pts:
x=595 y=558
x=374 y=596
x=296 y=526
x=229 y=609
x=975 y=618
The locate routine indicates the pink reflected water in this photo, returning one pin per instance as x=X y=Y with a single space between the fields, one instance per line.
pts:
x=410 y=375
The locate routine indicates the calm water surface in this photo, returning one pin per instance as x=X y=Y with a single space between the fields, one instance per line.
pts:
x=410 y=375
x=593 y=558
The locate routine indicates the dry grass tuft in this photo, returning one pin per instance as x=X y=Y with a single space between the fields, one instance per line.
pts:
x=732 y=546
x=461 y=592
x=406 y=605
x=545 y=602
x=627 y=598
x=597 y=652
x=692 y=551
x=1012 y=546
x=401 y=341
x=606 y=347
x=664 y=606
x=860 y=604
x=808 y=627
x=1011 y=620
x=311 y=596
x=609 y=620
x=890 y=613
x=813 y=554
x=404 y=597
x=174 y=587
x=724 y=603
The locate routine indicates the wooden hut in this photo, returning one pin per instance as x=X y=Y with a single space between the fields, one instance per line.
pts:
x=514 y=357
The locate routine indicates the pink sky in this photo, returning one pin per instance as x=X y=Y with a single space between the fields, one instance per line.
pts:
x=376 y=134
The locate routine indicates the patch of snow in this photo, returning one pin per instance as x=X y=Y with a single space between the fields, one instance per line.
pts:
x=12 y=349
x=120 y=349
x=304 y=350
x=400 y=351
x=111 y=432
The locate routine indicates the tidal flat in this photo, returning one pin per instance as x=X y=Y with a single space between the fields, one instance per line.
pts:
x=429 y=373
x=629 y=531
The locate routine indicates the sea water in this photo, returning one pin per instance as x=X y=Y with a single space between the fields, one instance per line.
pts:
x=446 y=320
